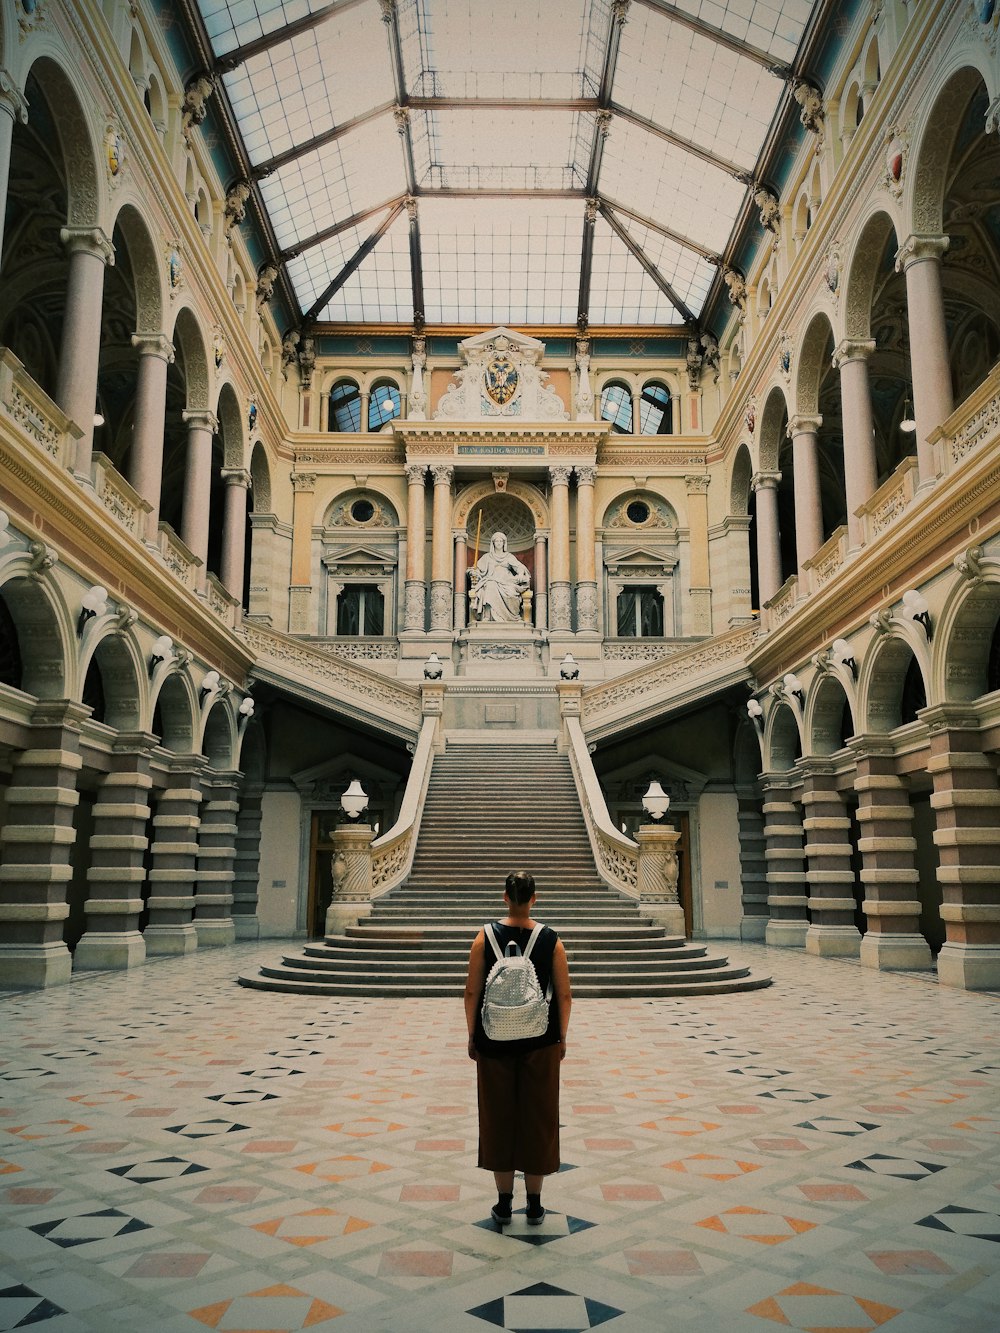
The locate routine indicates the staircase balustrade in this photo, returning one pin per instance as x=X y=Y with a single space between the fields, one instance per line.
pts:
x=392 y=853
x=615 y=855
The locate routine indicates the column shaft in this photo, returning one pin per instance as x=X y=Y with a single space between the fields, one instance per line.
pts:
x=808 y=505
x=12 y=107
x=461 y=566
x=442 y=554
x=416 y=539
x=700 y=586
x=234 y=534
x=560 y=593
x=146 y=455
x=920 y=259
x=541 y=583
x=198 y=484
x=860 y=470
x=300 y=588
x=90 y=252
x=765 y=484
x=586 y=565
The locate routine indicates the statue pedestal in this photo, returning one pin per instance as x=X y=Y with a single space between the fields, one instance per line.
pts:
x=491 y=650
x=656 y=876
x=352 y=877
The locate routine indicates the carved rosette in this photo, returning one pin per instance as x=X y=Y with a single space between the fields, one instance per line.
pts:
x=586 y=606
x=413 y=605
x=560 y=605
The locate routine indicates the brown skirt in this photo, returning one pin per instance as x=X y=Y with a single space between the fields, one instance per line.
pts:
x=519 y=1111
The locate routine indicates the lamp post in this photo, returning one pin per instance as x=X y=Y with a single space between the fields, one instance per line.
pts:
x=657 y=868
x=351 y=864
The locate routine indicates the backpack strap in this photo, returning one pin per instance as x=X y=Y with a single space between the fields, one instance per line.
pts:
x=488 y=931
x=539 y=927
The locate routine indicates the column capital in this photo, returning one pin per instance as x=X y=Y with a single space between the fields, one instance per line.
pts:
x=154 y=344
x=303 y=481
x=11 y=98
x=443 y=474
x=916 y=249
x=236 y=476
x=765 y=481
x=853 y=349
x=89 y=241
x=698 y=483
x=559 y=474
x=415 y=473
x=201 y=419
x=586 y=474
x=803 y=425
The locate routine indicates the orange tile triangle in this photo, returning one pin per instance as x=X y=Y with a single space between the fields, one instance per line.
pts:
x=269 y=1228
x=797 y=1224
x=881 y=1314
x=210 y=1314
x=320 y=1311
x=712 y=1224
x=770 y=1309
x=808 y=1289
x=279 y=1289
x=356 y=1224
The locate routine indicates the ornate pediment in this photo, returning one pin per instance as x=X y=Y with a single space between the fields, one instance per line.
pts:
x=640 y=562
x=501 y=378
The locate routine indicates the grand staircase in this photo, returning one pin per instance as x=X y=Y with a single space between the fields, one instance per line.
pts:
x=491 y=808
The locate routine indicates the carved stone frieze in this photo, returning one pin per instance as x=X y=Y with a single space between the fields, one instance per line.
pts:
x=502 y=377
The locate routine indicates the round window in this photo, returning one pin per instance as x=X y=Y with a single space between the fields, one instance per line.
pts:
x=362 y=511
x=637 y=511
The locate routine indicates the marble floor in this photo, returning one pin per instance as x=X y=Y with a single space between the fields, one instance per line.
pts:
x=179 y=1153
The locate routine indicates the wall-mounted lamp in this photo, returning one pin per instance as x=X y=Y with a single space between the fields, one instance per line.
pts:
x=569 y=667
x=656 y=802
x=917 y=609
x=389 y=406
x=94 y=602
x=98 y=419
x=842 y=654
x=793 y=685
x=247 y=707
x=161 y=650
x=907 y=422
x=353 y=800
x=209 y=682
x=754 y=710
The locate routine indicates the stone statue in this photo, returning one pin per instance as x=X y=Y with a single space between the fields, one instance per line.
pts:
x=498 y=579
x=236 y=205
x=194 y=108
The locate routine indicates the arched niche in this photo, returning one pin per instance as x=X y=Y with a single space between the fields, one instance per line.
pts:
x=115 y=660
x=190 y=342
x=739 y=482
x=935 y=146
x=146 y=268
x=71 y=125
x=773 y=421
x=252 y=754
x=892 y=688
x=469 y=501
x=260 y=480
x=870 y=264
x=231 y=428
x=360 y=554
x=641 y=551
x=783 y=740
x=219 y=743
x=174 y=710
x=967 y=642
x=42 y=636
x=829 y=719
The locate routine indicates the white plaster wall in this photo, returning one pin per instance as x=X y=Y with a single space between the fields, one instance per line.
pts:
x=719 y=845
x=278 y=894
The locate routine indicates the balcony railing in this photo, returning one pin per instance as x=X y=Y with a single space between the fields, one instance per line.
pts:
x=34 y=412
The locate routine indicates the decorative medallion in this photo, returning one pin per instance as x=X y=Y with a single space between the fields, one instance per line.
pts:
x=30 y=15
x=784 y=355
x=252 y=415
x=175 y=269
x=500 y=380
x=751 y=418
x=831 y=273
x=895 y=161
x=114 y=152
x=218 y=347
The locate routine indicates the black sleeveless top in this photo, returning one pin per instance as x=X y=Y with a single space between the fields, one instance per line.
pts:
x=541 y=957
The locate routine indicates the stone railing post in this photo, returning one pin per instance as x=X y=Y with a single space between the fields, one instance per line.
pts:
x=656 y=876
x=352 y=877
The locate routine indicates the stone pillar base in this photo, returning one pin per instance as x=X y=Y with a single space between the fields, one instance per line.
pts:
x=215 y=934
x=176 y=939
x=247 y=927
x=340 y=915
x=753 y=929
x=100 y=949
x=900 y=950
x=833 y=941
x=786 y=934
x=668 y=915
x=34 y=965
x=969 y=966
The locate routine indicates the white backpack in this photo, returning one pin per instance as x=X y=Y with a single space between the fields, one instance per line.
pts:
x=513 y=1004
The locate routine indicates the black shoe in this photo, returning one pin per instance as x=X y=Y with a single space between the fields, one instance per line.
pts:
x=534 y=1214
x=501 y=1210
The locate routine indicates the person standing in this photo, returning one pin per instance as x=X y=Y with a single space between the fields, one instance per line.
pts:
x=518 y=1081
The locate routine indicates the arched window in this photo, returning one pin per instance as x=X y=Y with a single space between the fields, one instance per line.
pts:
x=360 y=609
x=383 y=405
x=640 y=613
x=616 y=407
x=656 y=410
x=345 y=406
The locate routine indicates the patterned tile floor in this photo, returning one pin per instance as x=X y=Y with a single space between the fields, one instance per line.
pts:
x=179 y=1153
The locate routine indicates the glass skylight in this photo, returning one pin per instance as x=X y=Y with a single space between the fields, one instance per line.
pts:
x=233 y=23
x=621 y=291
x=774 y=26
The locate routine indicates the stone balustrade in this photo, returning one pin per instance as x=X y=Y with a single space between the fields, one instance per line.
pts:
x=34 y=413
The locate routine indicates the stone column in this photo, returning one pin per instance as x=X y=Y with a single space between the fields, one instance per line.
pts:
x=541 y=581
x=966 y=801
x=586 y=565
x=700 y=587
x=919 y=257
x=246 y=868
x=213 y=903
x=364 y=399
x=560 y=593
x=888 y=862
x=830 y=878
x=753 y=867
x=460 y=606
x=173 y=874
x=201 y=426
x=805 y=477
x=860 y=469
x=784 y=856
x=262 y=544
x=656 y=876
x=234 y=532
x=765 y=486
x=146 y=456
x=413 y=609
x=300 y=588
x=636 y=411
x=442 y=553
x=352 y=877
x=37 y=845
x=117 y=870
x=90 y=253
x=12 y=107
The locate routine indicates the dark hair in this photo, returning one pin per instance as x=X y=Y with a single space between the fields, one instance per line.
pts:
x=520 y=887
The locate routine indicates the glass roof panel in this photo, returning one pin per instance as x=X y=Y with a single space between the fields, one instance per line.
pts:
x=650 y=175
x=621 y=291
x=700 y=90
x=688 y=274
x=233 y=23
x=503 y=150
x=314 y=269
x=332 y=183
x=380 y=291
x=497 y=261
x=292 y=92
x=774 y=26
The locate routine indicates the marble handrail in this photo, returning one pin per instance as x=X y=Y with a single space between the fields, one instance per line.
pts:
x=615 y=855
x=392 y=853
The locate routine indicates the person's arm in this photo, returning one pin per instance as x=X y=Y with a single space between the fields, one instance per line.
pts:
x=562 y=993
x=474 y=986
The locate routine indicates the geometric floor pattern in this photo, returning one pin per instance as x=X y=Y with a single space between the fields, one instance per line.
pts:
x=178 y=1153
